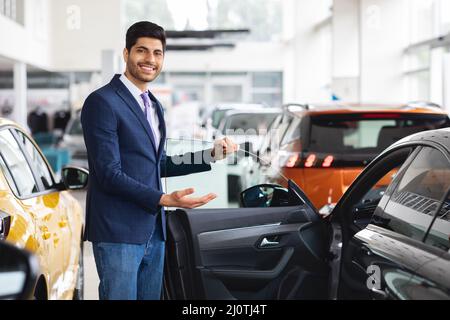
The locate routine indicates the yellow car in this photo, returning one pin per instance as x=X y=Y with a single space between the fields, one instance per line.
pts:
x=39 y=214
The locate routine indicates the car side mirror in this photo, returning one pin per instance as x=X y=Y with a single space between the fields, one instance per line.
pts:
x=267 y=195
x=18 y=273
x=74 y=178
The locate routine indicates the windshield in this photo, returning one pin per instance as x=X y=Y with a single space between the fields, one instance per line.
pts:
x=217 y=117
x=362 y=134
x=227 y=178
x=255 y=122
x=74 y=128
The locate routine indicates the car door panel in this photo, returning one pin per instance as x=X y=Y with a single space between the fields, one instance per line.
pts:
x=245 y=253
x=400 y=261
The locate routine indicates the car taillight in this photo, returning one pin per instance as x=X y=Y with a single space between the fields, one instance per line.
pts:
x=290 y=163
x=310 y=160
x=5 y=224
x=328 y=161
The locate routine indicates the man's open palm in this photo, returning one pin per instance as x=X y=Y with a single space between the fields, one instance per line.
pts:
x=180 y=199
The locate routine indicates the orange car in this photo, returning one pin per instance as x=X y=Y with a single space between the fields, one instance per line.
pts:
x=326 y=147
x=39 y=214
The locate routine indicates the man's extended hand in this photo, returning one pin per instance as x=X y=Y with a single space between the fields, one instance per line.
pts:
x=223 y=147
x=179 y=199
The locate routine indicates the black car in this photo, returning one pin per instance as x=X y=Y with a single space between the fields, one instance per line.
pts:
x=389 y=243
x=18 y=272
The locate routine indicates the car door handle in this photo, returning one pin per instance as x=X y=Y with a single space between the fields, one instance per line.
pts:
x=268 y=243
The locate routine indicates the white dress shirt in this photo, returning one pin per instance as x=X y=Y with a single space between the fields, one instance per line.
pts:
x=136 y=93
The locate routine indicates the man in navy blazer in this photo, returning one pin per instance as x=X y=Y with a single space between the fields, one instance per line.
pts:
x=124 y=132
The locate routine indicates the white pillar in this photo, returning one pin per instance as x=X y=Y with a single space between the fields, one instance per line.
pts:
x=446 y=76
x=20 y=94
x=110 y=65
x=311 y=45
x=289 y=77
x=384 y=30
x=346 y=49
x=437 y=76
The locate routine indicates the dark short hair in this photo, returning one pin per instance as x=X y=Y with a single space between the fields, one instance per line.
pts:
x=145 y=29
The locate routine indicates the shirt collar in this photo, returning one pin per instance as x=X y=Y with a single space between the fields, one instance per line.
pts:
x=135 y=91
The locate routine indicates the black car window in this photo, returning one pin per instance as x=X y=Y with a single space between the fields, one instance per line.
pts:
x=292 y=132
x=417 y=193
x=439 y=235
x=18 y=167
x=8 y=176
x=366 y=133
x=75 y=128
x=38 y=162
x=276 y=131
x=364 y=209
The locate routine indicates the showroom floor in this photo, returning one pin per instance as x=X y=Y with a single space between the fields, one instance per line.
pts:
x=90 y=273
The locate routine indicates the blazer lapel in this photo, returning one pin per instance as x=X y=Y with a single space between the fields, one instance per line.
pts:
x=123 y=92
x=162 y=123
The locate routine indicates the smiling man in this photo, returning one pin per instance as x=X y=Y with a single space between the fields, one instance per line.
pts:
x=124 y=132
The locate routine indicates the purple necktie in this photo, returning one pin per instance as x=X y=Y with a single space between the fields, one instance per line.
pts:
x=148 y=114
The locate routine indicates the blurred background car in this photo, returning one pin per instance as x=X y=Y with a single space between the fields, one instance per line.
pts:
x=247 y=128
x=73 y=141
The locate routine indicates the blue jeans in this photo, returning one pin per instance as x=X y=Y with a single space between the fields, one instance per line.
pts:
x=131 y=271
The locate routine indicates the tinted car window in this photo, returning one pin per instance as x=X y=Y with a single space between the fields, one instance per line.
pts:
x=18 y=167
x=292 y=132
x=366 y=133
x=417 y=193
x=276 y=131
x=8 y=176
x=75 y=128
x=39 y=164
x=217 y=117
x=245 y=122
x=439 y=235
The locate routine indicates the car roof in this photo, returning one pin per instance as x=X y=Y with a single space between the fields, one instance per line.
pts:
x=254 y=111
x=344 y=108
x=440 y=136
x=237 y=105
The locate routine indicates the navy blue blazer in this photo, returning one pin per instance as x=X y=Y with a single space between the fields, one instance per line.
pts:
x=125 y=169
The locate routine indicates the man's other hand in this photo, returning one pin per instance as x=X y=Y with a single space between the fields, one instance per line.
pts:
x=223 y=147
x=180 y=199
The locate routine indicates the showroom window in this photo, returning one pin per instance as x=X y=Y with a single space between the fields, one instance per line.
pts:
x=428 y=19
x=262 y=17
x=267 y=88
x=418 y=74
x=13 y=9
x=422 y=23
x=218 y=87
x=427 y=58
x=17 y=165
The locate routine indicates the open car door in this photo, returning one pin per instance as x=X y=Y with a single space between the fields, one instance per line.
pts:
x=272 y=244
